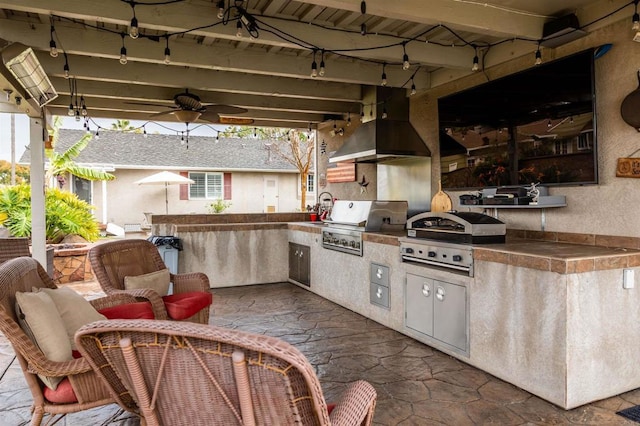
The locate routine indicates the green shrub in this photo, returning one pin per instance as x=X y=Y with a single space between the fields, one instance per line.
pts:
x=218 y=206
x=65 y=214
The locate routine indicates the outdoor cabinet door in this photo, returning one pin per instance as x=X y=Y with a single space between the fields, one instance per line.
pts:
x=419 y=304
x=450 y=313
x=299 y=264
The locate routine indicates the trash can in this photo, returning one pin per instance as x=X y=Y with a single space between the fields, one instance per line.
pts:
x=169 y=248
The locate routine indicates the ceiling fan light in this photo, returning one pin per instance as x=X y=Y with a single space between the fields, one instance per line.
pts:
x=187 y=116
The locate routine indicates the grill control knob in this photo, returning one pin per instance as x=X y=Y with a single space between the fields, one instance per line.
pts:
x=457 y=258
x=431 y=254
x=357 y=245
x=408 y=250
x=352 y=243
x=343 y=242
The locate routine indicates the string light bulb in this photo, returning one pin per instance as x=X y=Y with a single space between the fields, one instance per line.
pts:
x=348 y=119
x=413 y=87
x=405 y=57
x=384 y=111
x=134 y=31
x=83 y=107
x=363 y=10
x=239 y=29
x=635 y=20
x=362 y=114
x=220 y=9
x=53 y=49
x=475 y=65
x=538 y=56
x=123 y=52
x=66 y=69
x=98 y=133
x=384 y=75
x=167 y=53
x=314 y=66
x=321 y=72
x=77 y=114
x=71 y=112
x=144 y=131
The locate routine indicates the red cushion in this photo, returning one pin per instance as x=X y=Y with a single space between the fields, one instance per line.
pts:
x=63 y=394
x=330 y=408
x=184 y=305
x=140 y=310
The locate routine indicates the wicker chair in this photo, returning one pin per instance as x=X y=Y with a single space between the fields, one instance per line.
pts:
x=114 y=260
x=10 y=248
x=183 y=373
x=22 y=274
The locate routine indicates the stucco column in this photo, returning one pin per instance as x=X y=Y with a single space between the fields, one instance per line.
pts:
x=38 y=231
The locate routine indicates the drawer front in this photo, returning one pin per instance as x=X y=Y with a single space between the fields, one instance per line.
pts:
x=379 y=274
x=379 y=295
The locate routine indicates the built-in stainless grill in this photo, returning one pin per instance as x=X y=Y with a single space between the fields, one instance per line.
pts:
x=444 y=239
x=349 y=219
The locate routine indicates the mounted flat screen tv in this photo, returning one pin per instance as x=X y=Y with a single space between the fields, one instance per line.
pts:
x=537 y=125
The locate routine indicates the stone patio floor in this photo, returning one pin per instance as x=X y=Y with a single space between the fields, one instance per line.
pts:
x=416 y=385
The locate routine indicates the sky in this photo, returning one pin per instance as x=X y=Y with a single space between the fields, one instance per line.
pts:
x=22 y=130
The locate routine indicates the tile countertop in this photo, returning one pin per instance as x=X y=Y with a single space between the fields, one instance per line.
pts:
x=563 y=258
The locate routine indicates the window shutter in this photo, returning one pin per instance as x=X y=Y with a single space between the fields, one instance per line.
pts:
x=227 y=186
x=184 y=188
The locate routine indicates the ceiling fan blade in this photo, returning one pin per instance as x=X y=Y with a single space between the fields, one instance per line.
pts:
x=209 y=116
x=158 y=114
x=238 y=121
x=149 y=104
x=225 y=109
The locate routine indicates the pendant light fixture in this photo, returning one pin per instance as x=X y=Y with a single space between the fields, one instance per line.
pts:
x=383 y=81
x=220 y=7
x=321 y=72
x=405 y=57
x=413 y=87
x=314 y=65
x=53 y=49
x=167 y=51
x=363 y=10
x=123 y=52
x=538 y=60
x=635 y=21
x=134 y=31
x=475 y=65
x=66 y=66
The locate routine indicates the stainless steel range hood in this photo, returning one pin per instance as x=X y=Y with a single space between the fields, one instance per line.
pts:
x=383 y=139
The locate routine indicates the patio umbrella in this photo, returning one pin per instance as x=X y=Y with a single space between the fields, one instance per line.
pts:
x=164 y=178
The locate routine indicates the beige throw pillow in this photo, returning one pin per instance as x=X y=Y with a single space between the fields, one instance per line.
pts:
x=39 y=318
x=157 y=281
x=74 y=309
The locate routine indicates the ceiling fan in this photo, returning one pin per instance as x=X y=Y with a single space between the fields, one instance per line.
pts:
x=189 y=108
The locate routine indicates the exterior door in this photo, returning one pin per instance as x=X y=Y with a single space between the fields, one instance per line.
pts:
x=271 y=194
x=82 y=188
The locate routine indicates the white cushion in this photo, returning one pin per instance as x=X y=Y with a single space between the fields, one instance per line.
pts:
x=39 y=318
x=74 y=309
x=157 y=281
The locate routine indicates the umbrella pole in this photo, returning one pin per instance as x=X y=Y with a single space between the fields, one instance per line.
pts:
x=166 y=198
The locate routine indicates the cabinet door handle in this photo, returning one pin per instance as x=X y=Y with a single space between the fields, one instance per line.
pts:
x=379 y=273
x=440 y=293
x=379 y=293
x=301 y=253
x=426 y=290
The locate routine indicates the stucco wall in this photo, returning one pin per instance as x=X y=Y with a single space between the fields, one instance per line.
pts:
x=127 y=201
x=607 y=208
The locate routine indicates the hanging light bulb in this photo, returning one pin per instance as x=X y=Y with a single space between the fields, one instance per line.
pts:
x=53 y=49
x=384 y=111
x=321 y=72
x=405 y=57
x=70 y=111
x=475 y=61
x=363 y=10
x=220 y=14
x=348 y=119
x=66 y=70
x=167 y=53
x=133 y=28
x=77 y=114
x=83 y=107
x=239 y=29
x=123 y=52
x=413 y=87
x=144 y=132
x=384 y=76
x=538 y=56
x=255 y=132
x=217 y=137
x=314 y=66
x=98 y=133
x=363 y=29
x=635 y=21
x=362 y=114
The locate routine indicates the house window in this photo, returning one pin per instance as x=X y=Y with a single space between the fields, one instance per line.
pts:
x=310 y=183
x=585 y=140
x=208 y=186
x=561 y=147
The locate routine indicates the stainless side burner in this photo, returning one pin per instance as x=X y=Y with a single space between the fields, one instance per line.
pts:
x=344 y=240
x=458 y=257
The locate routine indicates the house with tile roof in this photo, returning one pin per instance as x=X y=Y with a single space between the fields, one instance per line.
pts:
x=246 y=173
